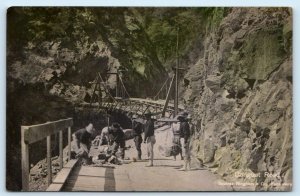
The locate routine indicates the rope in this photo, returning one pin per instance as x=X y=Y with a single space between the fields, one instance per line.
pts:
x=161 y=88
x=124 y=86
x=94 y=91
x=105 y=89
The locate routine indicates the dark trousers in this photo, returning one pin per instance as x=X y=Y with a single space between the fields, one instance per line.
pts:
x=116 y=146
x=138 y=141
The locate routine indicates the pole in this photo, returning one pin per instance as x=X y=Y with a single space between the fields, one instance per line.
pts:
x=168 y=97
x=176 y=78
x=61 y=157
x=69 y=143
x=49 y=164
x=25 y=161
x=117 y=82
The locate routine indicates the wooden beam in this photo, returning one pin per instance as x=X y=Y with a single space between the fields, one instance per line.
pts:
x=49 y=164
x=168 y=97
x=167 y=120
x=69 y=143
x=62 y=176
x=143 y=112
x=35 y=133
x=25 y=161
x=61 y=158
x=94 y=91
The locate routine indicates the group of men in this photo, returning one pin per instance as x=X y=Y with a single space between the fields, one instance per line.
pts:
x=115 y=137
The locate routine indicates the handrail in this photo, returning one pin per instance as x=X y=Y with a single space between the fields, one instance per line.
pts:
x=34 y=133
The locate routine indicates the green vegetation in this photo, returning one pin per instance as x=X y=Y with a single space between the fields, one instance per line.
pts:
x=143 y=40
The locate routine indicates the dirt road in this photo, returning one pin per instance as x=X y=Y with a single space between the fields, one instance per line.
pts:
x=134 y=176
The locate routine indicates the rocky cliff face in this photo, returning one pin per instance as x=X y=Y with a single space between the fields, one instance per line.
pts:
x=240 y=95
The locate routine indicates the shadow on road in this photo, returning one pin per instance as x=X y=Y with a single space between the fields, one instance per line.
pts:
x=175 y=166
x=110 y=182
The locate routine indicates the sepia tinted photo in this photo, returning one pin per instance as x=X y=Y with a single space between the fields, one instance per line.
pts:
x=149 y=99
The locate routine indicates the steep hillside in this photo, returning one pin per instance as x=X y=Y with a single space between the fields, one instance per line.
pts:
x=240 y=94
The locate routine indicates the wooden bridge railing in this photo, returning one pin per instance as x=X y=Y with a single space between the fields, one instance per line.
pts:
x=34 y=133
x=138 y=106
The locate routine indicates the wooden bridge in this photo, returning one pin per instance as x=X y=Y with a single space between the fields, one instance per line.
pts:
x=102 y=99
x=161 y=110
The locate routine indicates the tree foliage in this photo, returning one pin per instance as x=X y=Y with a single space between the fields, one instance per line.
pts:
x=144 y=40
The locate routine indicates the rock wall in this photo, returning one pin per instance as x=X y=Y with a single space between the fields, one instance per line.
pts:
x=240 y=96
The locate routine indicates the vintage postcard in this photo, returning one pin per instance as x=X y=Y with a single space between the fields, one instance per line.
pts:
x=149 y=99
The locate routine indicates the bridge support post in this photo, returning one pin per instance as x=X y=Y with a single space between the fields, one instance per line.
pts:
x=25 y=161
x=61 y=156
x=69 y=143
x=49 y=164
x=168 y=97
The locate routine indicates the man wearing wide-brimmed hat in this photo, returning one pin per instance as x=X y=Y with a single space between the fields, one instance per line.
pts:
x=149 y=137
x=82 y=138
x=185 y=139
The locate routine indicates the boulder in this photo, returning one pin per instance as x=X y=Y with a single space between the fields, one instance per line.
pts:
x=213 y=83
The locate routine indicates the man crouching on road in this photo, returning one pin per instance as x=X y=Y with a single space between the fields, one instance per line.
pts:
x=149 y=137
x=82 y=138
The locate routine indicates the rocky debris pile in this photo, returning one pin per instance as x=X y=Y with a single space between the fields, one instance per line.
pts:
x=240 y=95
x=38 y=174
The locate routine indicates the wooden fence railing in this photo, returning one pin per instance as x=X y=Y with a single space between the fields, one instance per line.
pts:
x=34 y=133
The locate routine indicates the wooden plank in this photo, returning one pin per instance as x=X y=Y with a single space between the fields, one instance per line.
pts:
x=167 y=120
x=35 y=133
x=71 y=163
x=54 y=187
x=69 y=143
x=49 y=164
x=25 y=161
x=62 y=175
x=61 y=158
x=149 y=101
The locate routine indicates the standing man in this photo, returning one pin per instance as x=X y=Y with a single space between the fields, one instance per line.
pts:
x=149 y=137
x=185 y=140
x=137 y=127
x=82 y=139
x=117 y=138
x=175 y=127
